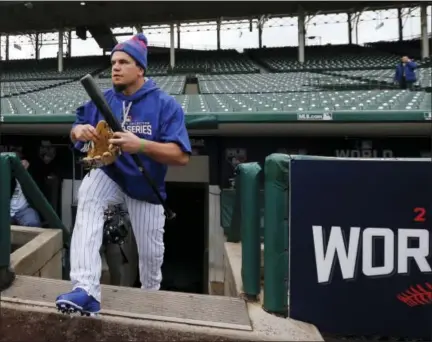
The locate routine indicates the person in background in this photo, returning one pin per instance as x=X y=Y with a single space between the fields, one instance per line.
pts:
x=21 y=213
x=405 y=75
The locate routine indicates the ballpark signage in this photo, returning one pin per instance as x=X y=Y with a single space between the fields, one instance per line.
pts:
x=326 y=116
x=369 y=153
x=360 y=257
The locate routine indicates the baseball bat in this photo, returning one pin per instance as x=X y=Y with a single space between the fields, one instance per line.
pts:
x=102 y=105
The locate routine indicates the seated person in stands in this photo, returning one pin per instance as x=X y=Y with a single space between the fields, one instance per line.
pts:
x=405 y=74
x=21 y=213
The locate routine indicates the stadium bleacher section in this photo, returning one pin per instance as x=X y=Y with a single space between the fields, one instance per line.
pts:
x=46 y=69
x=330 y=57
x=333 y=78
x=410 y=47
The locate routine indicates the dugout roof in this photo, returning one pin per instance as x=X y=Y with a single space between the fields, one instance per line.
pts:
x=39 y=16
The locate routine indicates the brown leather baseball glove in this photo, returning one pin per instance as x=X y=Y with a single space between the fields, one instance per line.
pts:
x=101 y=152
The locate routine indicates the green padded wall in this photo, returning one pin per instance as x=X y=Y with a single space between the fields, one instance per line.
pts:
x=276 y=173
x=5 y=228
x=249 y=190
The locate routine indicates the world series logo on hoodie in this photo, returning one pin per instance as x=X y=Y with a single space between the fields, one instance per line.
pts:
x=143 y=127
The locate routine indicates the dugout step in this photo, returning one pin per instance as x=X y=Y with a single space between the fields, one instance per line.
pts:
x=175 y=307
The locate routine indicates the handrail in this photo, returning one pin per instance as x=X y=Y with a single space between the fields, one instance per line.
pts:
x=10 y=166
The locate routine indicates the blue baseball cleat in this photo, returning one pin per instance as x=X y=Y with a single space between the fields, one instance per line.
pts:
x=78 y=301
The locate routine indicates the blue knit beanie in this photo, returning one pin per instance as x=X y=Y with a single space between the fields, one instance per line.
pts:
x=136 y=47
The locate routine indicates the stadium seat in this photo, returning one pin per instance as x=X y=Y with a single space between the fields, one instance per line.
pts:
x=8 y=88
x=275 y=82
x=323 y=58
x=46 y=69
x=65 y=98
x=340 y=77
x=408 y=47
x=307 y=101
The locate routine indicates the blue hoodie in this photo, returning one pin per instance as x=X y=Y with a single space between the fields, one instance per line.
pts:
x=152 y=115
x=408 y=69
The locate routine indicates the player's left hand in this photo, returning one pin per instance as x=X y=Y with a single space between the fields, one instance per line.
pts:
x=127 y=141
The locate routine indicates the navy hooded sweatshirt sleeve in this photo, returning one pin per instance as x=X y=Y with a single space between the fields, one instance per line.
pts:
x=150 y=114
x=408 y=69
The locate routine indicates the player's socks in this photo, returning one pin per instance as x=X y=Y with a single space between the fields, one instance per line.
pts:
x=78 y=300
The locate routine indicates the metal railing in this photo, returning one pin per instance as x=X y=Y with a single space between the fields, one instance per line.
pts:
x=10 y=167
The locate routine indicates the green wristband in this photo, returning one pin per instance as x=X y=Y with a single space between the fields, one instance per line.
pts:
x=141 y=149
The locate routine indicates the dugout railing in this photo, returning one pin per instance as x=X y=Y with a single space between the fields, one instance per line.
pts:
x=251 y=216
x=10 y=167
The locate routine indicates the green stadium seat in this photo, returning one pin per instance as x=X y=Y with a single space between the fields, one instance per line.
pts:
x=279 y=82
x=335 y=78
x=46 y=69
x=19 y=87
x=323 y=58
x=66 y=100
x=307 y=101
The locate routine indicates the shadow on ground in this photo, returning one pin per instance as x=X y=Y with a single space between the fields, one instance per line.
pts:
x=17 y=325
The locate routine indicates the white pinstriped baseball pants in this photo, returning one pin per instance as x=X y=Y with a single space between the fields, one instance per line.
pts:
x=96 y=192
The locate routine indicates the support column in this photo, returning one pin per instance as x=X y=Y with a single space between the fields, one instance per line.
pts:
x=7 y=48
x=400 y=24
x=424 y=31
x=301 y=36
x=260 y=31
x=69 y=46
x=357 y=21
x=172 y=50
x=60 y=51
x=178 y=35
x=349 y=28
x=218 y=28
x=37 y=46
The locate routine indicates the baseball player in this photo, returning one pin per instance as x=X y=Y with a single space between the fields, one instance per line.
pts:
x=154 y=128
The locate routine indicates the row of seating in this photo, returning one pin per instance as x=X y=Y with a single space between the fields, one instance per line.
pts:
x=329 y=57
x=409 y=47
x=212 y=62
x=424 y=75
x=318 y=101
x=286 y=82
x=67 y=97
x=241 y=83
x=171 y=84
x=19 y=87
x=283 y=59
x=65 y=102
x=47 y=69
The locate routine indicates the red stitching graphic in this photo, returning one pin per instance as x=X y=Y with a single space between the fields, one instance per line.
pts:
x=416 y=295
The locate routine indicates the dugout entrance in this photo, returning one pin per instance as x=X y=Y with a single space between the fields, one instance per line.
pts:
x=184 y=267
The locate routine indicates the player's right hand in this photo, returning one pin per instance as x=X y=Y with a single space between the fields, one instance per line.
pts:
x=85 y=133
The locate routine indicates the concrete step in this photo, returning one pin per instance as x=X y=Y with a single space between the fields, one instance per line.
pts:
x=28 y=311
x=25 y=323
x=191 y=89
x=194 y=309
x=175 y=307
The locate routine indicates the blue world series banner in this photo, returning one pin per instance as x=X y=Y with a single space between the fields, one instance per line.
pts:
x=360 y=255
